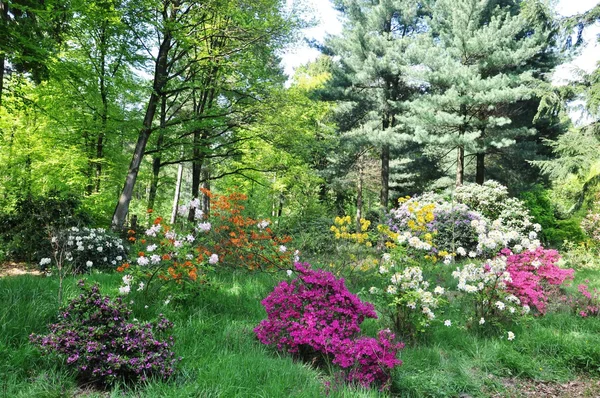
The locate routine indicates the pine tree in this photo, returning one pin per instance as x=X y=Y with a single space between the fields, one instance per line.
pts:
x=476 y=62
x=370 y=79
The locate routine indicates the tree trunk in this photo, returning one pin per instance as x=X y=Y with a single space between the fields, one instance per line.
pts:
x=460 y=166
x=177 y=192
x=206 y=186
x=2 y=63
x=385 y=176
x=156 y=159
x=4 y=17
x=160 y=78
x=359 y=195
x=104 y=112
x=480 y=174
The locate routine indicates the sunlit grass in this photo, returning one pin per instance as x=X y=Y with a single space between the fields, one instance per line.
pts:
x=222 y=358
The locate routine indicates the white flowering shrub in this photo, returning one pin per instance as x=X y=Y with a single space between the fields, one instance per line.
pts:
x=492 y=200
x=85 y=249
x=484 y=288
x=406 y=298
x=481 y=222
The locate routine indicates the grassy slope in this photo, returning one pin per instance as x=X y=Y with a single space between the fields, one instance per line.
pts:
x=223 y=359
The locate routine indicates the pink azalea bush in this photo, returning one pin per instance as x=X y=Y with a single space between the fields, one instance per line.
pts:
x=587 y=303
x=316 y=314
x=533 y=273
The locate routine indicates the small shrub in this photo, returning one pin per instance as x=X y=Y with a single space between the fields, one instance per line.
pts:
x=24 y=231
x=315 y=317
x=92 y=248
x=96 y=337
x=406 y=299
x=586 y=303
x=533 y=273
x=485 y=292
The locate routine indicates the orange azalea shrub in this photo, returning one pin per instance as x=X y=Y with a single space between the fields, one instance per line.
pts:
x=167 y=258
x=242 y=241
x=183 y=254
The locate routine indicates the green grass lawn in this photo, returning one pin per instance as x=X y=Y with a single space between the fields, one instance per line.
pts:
x=222 y=357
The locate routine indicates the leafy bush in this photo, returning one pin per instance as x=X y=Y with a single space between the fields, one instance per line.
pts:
x=485 y=291
x=315 y=315
x=492 y=201
x=96 y=337
x=453 y=229
x=554 y=231
x=407 y=299
x=87 y=248
x=170 y=257
x=240 y=240
x=533 y=273
x=24 y=232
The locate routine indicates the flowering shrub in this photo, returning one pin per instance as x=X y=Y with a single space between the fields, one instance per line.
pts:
x=591 y=225
x=486 y=291
x=532 y=273
x=342 y=229
x=491 y=199
x=453 y=229
x=84 y=249
x=316 y=314
x=97 y=338
x=478 y=227
x=242 y=241
x=170 y=257
x=353 y=245
x=407 y=297
x=587 y=303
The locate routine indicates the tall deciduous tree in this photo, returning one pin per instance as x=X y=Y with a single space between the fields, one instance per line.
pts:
x=30 y=31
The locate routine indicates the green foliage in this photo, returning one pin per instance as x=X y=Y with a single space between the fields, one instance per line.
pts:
x=25 y=232
x=554 y=231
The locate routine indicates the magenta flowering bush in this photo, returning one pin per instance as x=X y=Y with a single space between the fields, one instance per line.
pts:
x=96 y=337
x=588 y=304
x=533 y=273
x=315 y=315
x=368 y=360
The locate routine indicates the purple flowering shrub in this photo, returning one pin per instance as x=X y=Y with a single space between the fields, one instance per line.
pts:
x=453 y=229
x=97 y=338
x=315 y=314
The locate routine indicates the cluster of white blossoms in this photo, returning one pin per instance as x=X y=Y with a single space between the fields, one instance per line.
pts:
x=473 y=278
x=410 y=290
x=89 y=246
x=263 y=224
x=184 y=210
x=491 y=277
x=496 y=235
x=413 y=241
x=126 y=287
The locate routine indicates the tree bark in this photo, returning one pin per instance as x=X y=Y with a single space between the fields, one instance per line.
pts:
x=460 y=166
x=359 y=195
x=160 y=78
x=480 y=174
x=385 y=176
x=156 y=159
x=177 y=192
x=206 y=186
x=4 y=17
x=104 y=112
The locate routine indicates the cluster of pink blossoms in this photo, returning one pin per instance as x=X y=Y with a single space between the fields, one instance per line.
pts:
x=532 y=273
x=316 y=314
